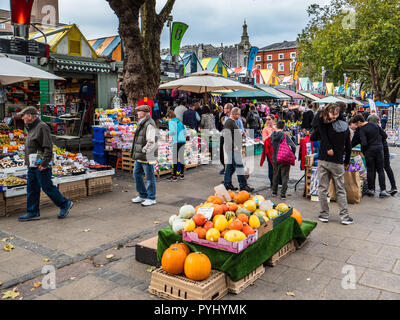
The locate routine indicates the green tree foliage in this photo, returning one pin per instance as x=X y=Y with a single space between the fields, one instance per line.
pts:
x=358 y=37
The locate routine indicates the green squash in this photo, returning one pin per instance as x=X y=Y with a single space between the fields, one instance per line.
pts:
x=229 y=215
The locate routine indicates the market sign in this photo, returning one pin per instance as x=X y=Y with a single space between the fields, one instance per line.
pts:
x=178 y=30
x=24 y=47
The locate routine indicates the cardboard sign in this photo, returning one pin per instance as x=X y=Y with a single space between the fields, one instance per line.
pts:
x=220 y=191
x=5 y=150
x=207 y=212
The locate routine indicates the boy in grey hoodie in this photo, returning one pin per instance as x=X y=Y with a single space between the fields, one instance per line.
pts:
x=280 y=170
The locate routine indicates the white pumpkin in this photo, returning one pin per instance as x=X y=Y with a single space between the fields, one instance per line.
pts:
x=186 y=212
x=172 y=218
x=178 y=225
x=266 y=205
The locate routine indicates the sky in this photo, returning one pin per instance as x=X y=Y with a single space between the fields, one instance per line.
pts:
x=210 y=21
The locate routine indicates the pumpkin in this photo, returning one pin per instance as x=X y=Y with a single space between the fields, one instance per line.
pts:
x=234 y=236
x=282 y=207
x=232 y=206
x=225 y=208
x=178 y=225
x=186 y=212
x=224 y=232
x=243 y=211
x=262 y=219
x=235 y=225
x=199 y=219
x=173 y=260
x=247 y=230
x=197 y=266
x=229 y=215
x=250 y=205
x=213 y=235
x=221 y=224
x=265 y=205
x=208 y=225
x=242 y=217
x=189 y=226
x=201 y=232
x=217 y=210
x=232 y=194
x=214 y=199
x=242 y=197
x=258 y=199
x=259 y=213
x=217 y=217
x=254 y=222
x=172 y=218
x=272 y=213
x=297 y=215
x=182 y=246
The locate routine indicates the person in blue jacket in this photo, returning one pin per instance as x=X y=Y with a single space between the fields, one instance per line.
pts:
x=178 y=133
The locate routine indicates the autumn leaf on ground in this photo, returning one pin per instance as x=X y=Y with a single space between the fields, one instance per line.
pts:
x=46 y=260
x=4 y=239
x=8 y=247
x=109 y=256
x=86 y=230
x=325 y=243
x=1 y=283
x=11 y=294
x=289 y=293
x=151 y=269
x=156 y=222
x=37 y=284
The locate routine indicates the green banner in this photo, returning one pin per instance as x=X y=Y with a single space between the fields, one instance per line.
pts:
x=178 y=30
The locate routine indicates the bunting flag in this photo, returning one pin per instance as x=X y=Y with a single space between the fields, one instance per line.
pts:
x=252 y=56
x=297 y=69
x=178 y=30
x=347 y=84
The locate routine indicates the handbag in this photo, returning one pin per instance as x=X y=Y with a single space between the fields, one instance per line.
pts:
x=285 y=155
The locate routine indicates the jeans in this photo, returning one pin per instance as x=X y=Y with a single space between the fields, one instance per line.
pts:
x=270 y=171
x=335 y=171
x=42 y=180
x=178 y=156
x=235 y=161
x=280 y=171
x=375 y=163
x=141 y=169
x=388 y=168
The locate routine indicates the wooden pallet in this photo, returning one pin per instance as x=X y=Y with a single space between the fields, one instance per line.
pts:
x=299 y=246
x=281 y=254
x=163 y=172
x=177 y=287
x=237 y=287
x=307 y=182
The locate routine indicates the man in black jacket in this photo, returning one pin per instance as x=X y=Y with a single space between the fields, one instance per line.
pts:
x=370 y=136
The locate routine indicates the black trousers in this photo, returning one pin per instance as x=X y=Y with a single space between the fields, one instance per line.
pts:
x=375 y=164
x=221 y=150
x=388 y=168
x=178 y=156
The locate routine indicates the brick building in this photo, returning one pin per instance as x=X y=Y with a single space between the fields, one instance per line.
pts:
x=278 y=56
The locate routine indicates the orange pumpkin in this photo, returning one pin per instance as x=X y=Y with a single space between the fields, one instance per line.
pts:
x=242 y=217
x=173 y=260
x=182 y=246
x=236 y=225
x=297 y=215
x=225 y=208
x=199 y=219
x=232 y=194
x=223 y=233
x=217 y=210
x=197 y=266
x=247 y=230
x=201 y=232
x=242 y=197
x=208 y=225
x=232 y=206
x=214 y=199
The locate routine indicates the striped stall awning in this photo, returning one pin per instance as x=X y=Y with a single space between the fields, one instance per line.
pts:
x=82 y=66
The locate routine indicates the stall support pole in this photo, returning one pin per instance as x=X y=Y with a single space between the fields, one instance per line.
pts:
x=2 y=106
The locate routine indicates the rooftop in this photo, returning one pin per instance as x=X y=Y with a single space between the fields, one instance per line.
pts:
x=280 y=46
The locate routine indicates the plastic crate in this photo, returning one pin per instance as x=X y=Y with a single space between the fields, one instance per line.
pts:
x=100 y=158
x=98 y=133
x=98 y=146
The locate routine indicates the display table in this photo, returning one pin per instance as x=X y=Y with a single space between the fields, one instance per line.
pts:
x=238 y=265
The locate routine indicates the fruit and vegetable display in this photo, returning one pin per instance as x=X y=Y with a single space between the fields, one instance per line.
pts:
x=59 y=171
x=233 y=221
x=178 y=259
x=7 y=164
x=12 y=181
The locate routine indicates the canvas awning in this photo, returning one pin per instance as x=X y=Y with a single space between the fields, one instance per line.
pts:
x=248 y=94
x=82 y=65
x=291 y=94
x=279 y=95
x=309 y=95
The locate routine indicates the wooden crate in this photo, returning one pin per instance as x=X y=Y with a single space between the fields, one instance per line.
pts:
x=238 y=286
x=73 y=190
x=127 y=162
x=299 y=246
x=16 y=204
x=175 y=287
x=163 y=172
x=282 y=253
x=99 y=185
x=2 y=205
x=307 y=182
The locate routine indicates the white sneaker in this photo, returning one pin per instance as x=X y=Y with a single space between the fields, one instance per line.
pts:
x=138 y=200
x=148 y=202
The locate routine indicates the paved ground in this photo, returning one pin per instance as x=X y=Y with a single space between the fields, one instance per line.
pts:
x=99 y=226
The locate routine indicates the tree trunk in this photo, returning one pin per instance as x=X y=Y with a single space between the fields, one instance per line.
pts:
x=141 y=46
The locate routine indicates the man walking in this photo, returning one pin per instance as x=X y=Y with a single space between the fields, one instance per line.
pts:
x=38 y=155
x=145 y=153
x=190 y=118
x=180 y=110
x=233 y=153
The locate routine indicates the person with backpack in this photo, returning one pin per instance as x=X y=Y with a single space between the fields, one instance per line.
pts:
x=282 y=157
x=253 y=120
x=178 y=133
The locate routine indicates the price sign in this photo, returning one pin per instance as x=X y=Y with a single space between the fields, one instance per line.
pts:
x=13 y=143
x=207 y=212
x=21 y=147
x=5 y=150
x=11 y=136
x=221 y=192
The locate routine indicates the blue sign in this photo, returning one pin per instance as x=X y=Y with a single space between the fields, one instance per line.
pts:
x=252 y=55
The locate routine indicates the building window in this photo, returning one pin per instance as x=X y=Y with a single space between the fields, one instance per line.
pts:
x=269 y=57
x=281 y=56
x=75 y=47
x=269 y=66
x=292 y=65
x=258 y=66
x=258 y=58
x=293 y=55
x=281 y=67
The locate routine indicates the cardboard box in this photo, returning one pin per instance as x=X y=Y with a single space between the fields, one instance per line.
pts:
x=73 y=190
x=178 y=287
x=282 y=253
x=146 y=252
x=99 y=185
x=265 y=228
x=238 y=286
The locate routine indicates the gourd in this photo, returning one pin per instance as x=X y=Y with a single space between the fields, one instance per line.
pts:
x=213 y=235
x=234 y=236
x=254 y=222
x=173 y=260
x=197 y=266
x=178 y=225
x=186 y=212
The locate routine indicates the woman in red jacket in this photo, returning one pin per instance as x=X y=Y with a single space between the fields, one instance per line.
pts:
x=267 y=150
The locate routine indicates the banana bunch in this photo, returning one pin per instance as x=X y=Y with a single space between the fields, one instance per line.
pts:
x=58 y=150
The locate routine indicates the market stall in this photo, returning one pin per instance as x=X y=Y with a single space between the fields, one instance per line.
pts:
x=236 y=233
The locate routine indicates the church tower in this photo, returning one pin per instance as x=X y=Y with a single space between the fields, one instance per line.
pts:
x=244 y=47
